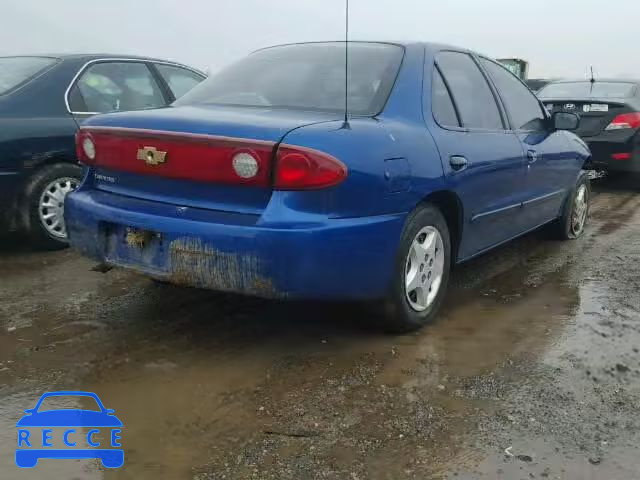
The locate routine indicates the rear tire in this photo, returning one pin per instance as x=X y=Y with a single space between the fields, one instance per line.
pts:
x=421 y=276
x=575 y=214
x=44 y=204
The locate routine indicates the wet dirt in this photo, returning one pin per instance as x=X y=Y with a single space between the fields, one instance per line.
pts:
x=531 y=371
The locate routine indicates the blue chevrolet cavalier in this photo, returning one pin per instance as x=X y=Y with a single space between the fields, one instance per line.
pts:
x=255 y=182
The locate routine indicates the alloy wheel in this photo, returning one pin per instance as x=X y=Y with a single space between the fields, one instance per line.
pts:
x=580 y=209
x=424 y=268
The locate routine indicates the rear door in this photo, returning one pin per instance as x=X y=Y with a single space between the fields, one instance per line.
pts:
x=483 y=162
x=550 y=164
x=112 y=86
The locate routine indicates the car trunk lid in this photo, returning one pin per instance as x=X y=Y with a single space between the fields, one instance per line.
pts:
x=595 y=114
x=187 y=155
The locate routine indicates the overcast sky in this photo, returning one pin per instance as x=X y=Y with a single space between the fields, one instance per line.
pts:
x=560 y=38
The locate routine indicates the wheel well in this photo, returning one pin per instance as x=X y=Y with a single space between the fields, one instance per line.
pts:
x=451 y=207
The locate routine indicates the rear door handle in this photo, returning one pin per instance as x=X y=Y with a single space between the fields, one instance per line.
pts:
x=532 y=156
x=457 y=162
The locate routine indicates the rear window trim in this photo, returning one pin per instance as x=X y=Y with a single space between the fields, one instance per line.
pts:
x=145 y=61
x=454 y=128
x=35 y=76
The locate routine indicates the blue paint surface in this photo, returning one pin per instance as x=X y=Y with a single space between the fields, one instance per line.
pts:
x=336 y=243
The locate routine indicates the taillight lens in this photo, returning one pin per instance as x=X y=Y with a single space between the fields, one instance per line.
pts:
x=299 y=168
x=625 y=120
x=245 y=164
x=621 y=156
x=85 y=148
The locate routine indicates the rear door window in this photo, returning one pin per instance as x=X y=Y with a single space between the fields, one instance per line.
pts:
x=471 y=92
x=523 y=107
x=443 y=110
x=16 y=71
x=115 y=86
x=180 y=80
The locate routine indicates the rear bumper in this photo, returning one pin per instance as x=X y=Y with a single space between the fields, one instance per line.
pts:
x=312 y=258
x=605 y=145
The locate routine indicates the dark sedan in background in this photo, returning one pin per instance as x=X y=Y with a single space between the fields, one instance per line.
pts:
x=610 y=118
x=43 y=99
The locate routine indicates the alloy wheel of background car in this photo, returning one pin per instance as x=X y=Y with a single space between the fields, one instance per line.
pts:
x=424 y=268
x=45 y=190
x=580 y=209
x=51 y=206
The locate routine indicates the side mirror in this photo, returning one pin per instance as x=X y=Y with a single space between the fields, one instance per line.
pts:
x=30 y=410
x=109 y=411
x=565 y=121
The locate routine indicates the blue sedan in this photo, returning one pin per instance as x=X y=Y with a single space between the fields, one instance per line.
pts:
x=257 y=182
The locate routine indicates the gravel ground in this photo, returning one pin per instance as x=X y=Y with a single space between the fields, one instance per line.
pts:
x=532 y=370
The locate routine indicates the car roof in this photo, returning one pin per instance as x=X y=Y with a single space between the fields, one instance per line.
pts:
x=88 y=57
x=403 y=43
x=431 y=47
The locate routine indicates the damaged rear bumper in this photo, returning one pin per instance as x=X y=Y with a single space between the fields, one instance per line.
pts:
x=311 y=259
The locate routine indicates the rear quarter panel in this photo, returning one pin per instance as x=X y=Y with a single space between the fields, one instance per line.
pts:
x=392 y=159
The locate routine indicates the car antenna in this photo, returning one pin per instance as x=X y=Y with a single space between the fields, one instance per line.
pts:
x=345 y=124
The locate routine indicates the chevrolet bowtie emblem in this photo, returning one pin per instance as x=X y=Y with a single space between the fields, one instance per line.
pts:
x=152 y=156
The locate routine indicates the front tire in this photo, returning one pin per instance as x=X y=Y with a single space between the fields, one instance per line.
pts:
x=575 y=214
x=45 y=195
x=421 y=276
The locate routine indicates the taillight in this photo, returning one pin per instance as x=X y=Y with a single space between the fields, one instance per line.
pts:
x=621 y=156
x=299 y=168
x=85 y=148
x=625 y=120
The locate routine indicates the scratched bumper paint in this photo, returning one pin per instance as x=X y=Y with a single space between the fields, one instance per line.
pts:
x=195 y=263
x=238 y=252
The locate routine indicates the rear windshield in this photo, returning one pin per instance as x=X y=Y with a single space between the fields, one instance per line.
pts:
x=587 y=90
x=305 y=77
x=15 y=71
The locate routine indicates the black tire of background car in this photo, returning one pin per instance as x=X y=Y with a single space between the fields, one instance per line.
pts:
x=562 y=227
x=37 y=183
x=400 y=317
